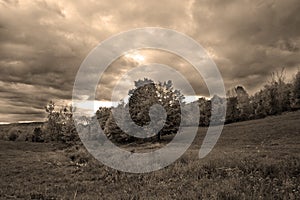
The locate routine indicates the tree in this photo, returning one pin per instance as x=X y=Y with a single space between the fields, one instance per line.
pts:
x=238 y=105
x=148 y=93
x=113 y=131
x=280 y=93
x=243 y=103
x=276 y=96
x=141 y=99
x=60 y=125
x=205 y=111
x=53 y=126
x=296 y=92
x=103 y=114
x=258 y=105
x=232 y=113
x=217 y=110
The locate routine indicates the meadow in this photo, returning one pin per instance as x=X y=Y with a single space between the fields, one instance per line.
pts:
x=257 y=159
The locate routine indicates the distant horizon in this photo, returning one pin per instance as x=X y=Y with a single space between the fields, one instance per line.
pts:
x=21 y=122
x=96 y=105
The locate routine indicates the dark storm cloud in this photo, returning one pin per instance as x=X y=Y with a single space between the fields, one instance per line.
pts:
x=250 y=39
x=42 y=43
x=40 y=52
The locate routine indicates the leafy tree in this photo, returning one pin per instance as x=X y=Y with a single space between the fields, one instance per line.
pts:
x=205 y=111
x=243 y=103
x=190 y=116
x=146 y=94
x=53 y=126
x=141 y=99
x=258 y=105
x=217 y=110
x=113 y=131
x=232 y=113
x=238 y=105
x=296 y=92
x=277 y=94
x=103 y=114
x=276 y=97
x=60 y=125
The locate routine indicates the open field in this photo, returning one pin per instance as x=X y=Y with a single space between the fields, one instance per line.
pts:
x=257 y=159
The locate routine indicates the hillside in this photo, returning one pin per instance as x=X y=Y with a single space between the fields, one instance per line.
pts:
x=256 y=159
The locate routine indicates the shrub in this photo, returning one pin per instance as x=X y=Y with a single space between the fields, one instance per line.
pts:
x=37 y=135
x=13 y=134
x=78 y=155
x=60 y=125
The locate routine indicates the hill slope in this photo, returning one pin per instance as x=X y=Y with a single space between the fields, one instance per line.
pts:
x=256 y=159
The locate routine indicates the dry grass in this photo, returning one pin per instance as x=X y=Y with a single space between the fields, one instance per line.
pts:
x=253 y=160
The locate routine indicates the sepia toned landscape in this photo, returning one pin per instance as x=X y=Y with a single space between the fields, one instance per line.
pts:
x=253 y=159
x=149 y=99
x=256 y=159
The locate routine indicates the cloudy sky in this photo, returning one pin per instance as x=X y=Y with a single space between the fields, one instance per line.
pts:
x=43 y=43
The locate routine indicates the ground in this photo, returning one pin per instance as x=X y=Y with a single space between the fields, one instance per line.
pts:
x=257 y=159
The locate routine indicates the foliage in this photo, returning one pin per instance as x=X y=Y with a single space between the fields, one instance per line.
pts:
x=232 y=114
x=146 y=94
x=296 y=92
x=13 y=134
x=37 y=135
x=112 y=130
x=243 y=103
x=274 y=98
x=60 y=125
x=205 y=111
x=217 y=110
x=103 y=114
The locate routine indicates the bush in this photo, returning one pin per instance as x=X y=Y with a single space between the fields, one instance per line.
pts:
x=78 y=155
x=13 y=134
x=60 y=125
x=37 y=135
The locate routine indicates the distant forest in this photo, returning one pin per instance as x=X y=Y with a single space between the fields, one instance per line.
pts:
x=274 y=98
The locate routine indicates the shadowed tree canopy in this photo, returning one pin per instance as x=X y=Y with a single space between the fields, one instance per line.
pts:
x=147 y=93
x=141 y=99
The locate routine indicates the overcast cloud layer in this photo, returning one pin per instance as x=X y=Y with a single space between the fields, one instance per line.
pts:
x=42 y=44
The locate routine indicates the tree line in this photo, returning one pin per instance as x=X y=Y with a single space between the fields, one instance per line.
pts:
x=276 y=97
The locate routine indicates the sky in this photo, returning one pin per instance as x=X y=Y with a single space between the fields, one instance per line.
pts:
x=44 y=42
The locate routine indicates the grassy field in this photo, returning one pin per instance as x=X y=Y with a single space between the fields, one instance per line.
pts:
x=257 y=159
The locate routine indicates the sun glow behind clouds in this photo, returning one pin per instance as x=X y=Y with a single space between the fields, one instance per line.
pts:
x=135 y=56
